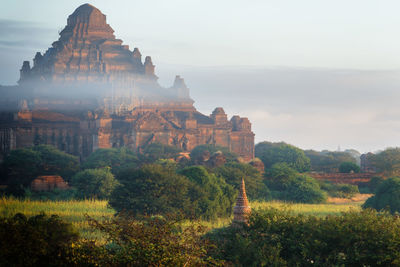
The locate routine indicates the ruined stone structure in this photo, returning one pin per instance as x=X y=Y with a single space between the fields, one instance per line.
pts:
x=242 y=210
x=49 y=183
x=90 y=91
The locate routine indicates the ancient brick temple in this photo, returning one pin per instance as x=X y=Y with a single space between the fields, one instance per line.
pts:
x=89 y=91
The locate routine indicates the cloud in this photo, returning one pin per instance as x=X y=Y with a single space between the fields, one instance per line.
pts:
x=309 y=107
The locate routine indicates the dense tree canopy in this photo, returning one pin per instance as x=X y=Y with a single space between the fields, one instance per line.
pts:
x=152 y=189
x=387 y=161
x=387 y=196
x=115 y=158
x=271 y=153
x=94 y=183
x=348 y=167
x=211 y=195
x=328 y=161
x=280 y=238
x=233 y=173
x=21 y=166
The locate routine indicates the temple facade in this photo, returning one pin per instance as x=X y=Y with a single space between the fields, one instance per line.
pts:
x=89 y=91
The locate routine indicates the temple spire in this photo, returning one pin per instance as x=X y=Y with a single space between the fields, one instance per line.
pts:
x=242 y=209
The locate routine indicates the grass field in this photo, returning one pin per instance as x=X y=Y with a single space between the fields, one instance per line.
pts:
x=74 y=210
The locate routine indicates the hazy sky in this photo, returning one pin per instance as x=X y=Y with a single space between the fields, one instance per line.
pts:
x=317 y=74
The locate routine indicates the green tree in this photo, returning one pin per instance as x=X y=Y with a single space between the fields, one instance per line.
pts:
x=211 y=195
x=271 y=153
x=348 y=167
x=289 y=185
x=94 y=183
x=280 y=238
x=328 y=161
x=150 y=241
x=21 y=166
x=152 y=189
x=387 y=196
x=156 y=151
x=233 y=172
x=40 y=240
x=387 y=161
x=202 y=152
x=115 y=158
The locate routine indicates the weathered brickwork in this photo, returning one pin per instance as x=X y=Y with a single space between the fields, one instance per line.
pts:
x=90 y=91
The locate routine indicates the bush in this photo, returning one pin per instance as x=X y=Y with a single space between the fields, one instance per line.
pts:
x=233 y=173
x=339 y=190
x=288 y=185
x=387 y=196
x=303 y=189
x=279 y=238
x=94 y=183
x=22 y=166
x=152 y=189
x=36 y=241
x=348 y=167
x=152 y=241
x=211 y=195
x=272 y=153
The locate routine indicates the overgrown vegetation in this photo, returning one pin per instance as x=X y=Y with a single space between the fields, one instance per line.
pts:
x=280 y=238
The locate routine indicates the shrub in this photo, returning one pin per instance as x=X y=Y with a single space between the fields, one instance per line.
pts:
x=152 y=189
x=303 y=189
x=289 y=185
x=36 y=241
x=279 y=238
x=348 y=167
x=211 y=195
x=339 y=190
x=152 y=241
x=387 y=196
x=94 y=183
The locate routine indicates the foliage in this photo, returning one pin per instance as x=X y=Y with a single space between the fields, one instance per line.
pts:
x=328 y=161
x=36 y=241
x=348 y=167
x=211 y=196
x=272 y=153
x=152 y=189
x=387 y=161
x=94 y=183
x=155 y=151
x=233 y=172
x=292 y=186
x=279 y=238
x=339 y=190
x=199 y=153
x=115 y=158
x=387 y=196
x=152 y=241
x=22 y=166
